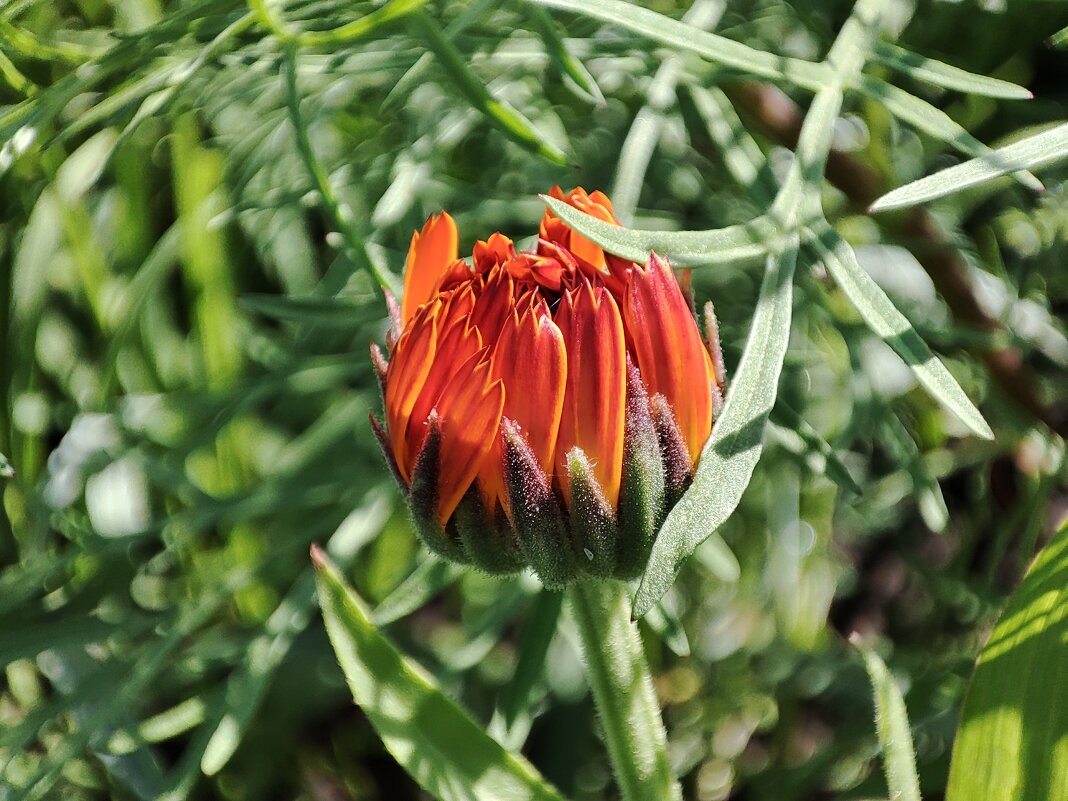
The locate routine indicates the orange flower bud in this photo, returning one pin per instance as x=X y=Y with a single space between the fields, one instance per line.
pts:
x=558 y=398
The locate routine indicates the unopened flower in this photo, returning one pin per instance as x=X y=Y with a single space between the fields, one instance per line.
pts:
x=545 y=407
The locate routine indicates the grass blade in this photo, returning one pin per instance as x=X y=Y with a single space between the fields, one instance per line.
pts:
x=892 y=726
x=446 y=752
x=938 y=73
x=1014 y=727
x=717 y=246
x=887 y=322
x=730 y=455
x=1032 y=152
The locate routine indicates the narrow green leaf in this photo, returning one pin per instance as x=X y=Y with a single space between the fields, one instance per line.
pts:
x=934 y=122
x=718 y=49
x=731 y=453
x=359 y=28
x=564 y=60
x=892 y=726
x=666 y=623
x=887 y=322
x=429 y=578
x=503 y=117
x=445 y=751
x=938 y=73
x=313 y=309
x=800 y=438
x=1032 y=152
x=717 y=246
x=539 y=628
x=1012 y=744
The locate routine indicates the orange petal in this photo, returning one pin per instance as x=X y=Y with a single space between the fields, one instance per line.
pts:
x=457 y=342
x=409 y=365
x=495 y=302
x=493 y=252
x=595 y=389
x=531 y=361
x=667 y=344
x=469 y=410
x=430 y=253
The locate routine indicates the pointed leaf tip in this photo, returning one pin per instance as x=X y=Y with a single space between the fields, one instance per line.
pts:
x=320 y=561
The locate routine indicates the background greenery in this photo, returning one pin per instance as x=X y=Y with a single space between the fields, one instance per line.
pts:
x=193 y=207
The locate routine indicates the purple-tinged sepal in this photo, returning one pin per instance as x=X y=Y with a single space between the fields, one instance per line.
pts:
x=535 y=512
x=423 y=495
x=678 y=469
x=641 y=496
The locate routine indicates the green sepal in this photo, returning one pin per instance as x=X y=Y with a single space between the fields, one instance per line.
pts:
x=641 y=495
x=536 y=516
x=678 y=468
x=423 y=496
x=593 y=525
x=490 y=544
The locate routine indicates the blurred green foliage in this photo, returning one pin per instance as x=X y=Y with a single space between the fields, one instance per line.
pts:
x=193 y=210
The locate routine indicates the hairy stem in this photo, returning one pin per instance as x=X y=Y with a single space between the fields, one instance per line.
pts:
x=623 y=691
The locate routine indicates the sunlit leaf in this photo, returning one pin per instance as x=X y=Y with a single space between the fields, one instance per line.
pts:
x=887 y=322
x=934 y=122
x=717 y=246
x=715 y=48
x=1031 y=152
x=731 y=454
x=445 y=751
x=940 y=74
x=1012 y=744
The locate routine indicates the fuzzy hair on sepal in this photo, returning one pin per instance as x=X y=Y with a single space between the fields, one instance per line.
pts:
x=678 y=469
x=536 y=514
x=380 y=365
x=714 y=349
x=641 y=496
x=489 y=544
x=423 y=496
x=593 y=525
x=396 y=321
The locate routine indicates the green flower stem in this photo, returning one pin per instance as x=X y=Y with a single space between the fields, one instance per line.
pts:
x=623 y=691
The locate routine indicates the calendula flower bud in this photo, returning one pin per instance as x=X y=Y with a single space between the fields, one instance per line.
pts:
x=544 y=408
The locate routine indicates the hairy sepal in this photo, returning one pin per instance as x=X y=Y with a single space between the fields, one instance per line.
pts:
x=593 y=523
x=536 y=513
x=641 y=498
x=423 y=495
x=678 y=468
x=488 y=542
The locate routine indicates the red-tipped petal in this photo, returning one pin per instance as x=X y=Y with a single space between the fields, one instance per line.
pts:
x=595 y=390
x=670 y=353
x=430 y=253
x=469 y=408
